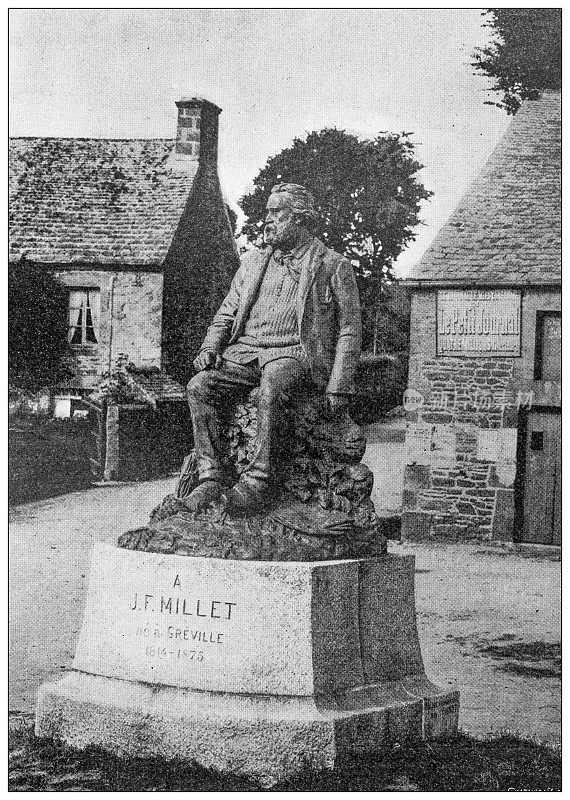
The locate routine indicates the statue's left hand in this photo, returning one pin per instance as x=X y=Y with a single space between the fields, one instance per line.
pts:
x=337 y=403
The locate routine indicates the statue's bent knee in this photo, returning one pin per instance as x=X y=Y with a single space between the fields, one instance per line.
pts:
x=196 y=387
x=269 y=393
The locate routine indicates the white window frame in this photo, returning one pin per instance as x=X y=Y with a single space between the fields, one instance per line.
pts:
x=80 y=300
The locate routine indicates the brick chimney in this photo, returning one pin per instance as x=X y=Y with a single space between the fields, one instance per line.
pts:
x=197 y=131
x=202 y=257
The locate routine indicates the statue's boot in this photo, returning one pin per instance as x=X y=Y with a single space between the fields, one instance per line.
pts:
x=209 y=491
x=246 y=496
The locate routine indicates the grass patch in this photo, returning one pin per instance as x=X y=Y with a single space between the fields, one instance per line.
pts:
x=451 y=765
x=48 y=457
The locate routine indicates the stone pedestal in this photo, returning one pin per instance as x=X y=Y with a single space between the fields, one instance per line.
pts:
x=257 y=668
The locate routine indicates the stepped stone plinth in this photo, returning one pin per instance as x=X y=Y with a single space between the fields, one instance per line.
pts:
x=259 y=668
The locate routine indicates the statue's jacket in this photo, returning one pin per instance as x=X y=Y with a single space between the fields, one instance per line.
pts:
x=328 y=313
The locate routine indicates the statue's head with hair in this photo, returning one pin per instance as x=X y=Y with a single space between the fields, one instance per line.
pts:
x=290 y=207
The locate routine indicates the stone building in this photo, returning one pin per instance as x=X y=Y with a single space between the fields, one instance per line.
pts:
x=483 y=443
x=126 y=225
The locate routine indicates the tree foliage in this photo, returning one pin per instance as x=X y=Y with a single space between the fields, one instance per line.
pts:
x=367 y=195
x=37 y=327
x=525 y=55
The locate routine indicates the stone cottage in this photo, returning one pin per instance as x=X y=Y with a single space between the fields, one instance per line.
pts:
x=139 y=233
x=483 y=445
x=126 y=225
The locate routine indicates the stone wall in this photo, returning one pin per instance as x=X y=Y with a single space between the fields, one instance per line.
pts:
x=461 y=439
x=130 y=321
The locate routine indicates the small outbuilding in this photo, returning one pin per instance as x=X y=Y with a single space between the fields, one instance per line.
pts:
x=483 y=446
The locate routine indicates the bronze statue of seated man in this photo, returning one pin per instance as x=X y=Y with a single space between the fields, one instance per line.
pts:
x=291 y=319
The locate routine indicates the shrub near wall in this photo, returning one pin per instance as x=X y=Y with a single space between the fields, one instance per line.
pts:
x=47 y=457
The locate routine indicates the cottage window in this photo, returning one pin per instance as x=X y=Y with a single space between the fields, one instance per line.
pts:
x=84 y=316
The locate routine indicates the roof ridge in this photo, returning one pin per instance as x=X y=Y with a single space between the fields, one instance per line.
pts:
x=506 y=225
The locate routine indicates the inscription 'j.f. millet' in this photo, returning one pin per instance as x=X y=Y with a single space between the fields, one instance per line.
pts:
x=211 y=609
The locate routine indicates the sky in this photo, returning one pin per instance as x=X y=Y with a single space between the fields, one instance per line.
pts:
x=276 y=73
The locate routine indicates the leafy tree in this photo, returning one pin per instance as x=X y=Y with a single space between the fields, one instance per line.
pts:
x=525 y=55
x=37 y=326
x=367 y=195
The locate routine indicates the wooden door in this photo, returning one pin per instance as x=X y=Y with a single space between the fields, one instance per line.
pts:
x=542 y=479
x=548 y=353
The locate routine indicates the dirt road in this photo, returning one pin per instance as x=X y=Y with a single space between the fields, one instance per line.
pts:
x=489 y=622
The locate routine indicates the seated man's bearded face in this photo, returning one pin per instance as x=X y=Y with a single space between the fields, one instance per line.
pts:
x=281 y=222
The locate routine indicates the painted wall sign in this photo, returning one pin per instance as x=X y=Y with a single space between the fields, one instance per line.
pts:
x=478 y=322
x=488 y=445
x=430 y=445
x=418 y=444
x=443 y=446
x=507 y=445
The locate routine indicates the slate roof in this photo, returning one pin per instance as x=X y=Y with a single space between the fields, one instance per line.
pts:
x=156 y=385
x=95 y=201
x=506 y=229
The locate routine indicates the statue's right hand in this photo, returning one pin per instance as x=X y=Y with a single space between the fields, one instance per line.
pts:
x=205 y=360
